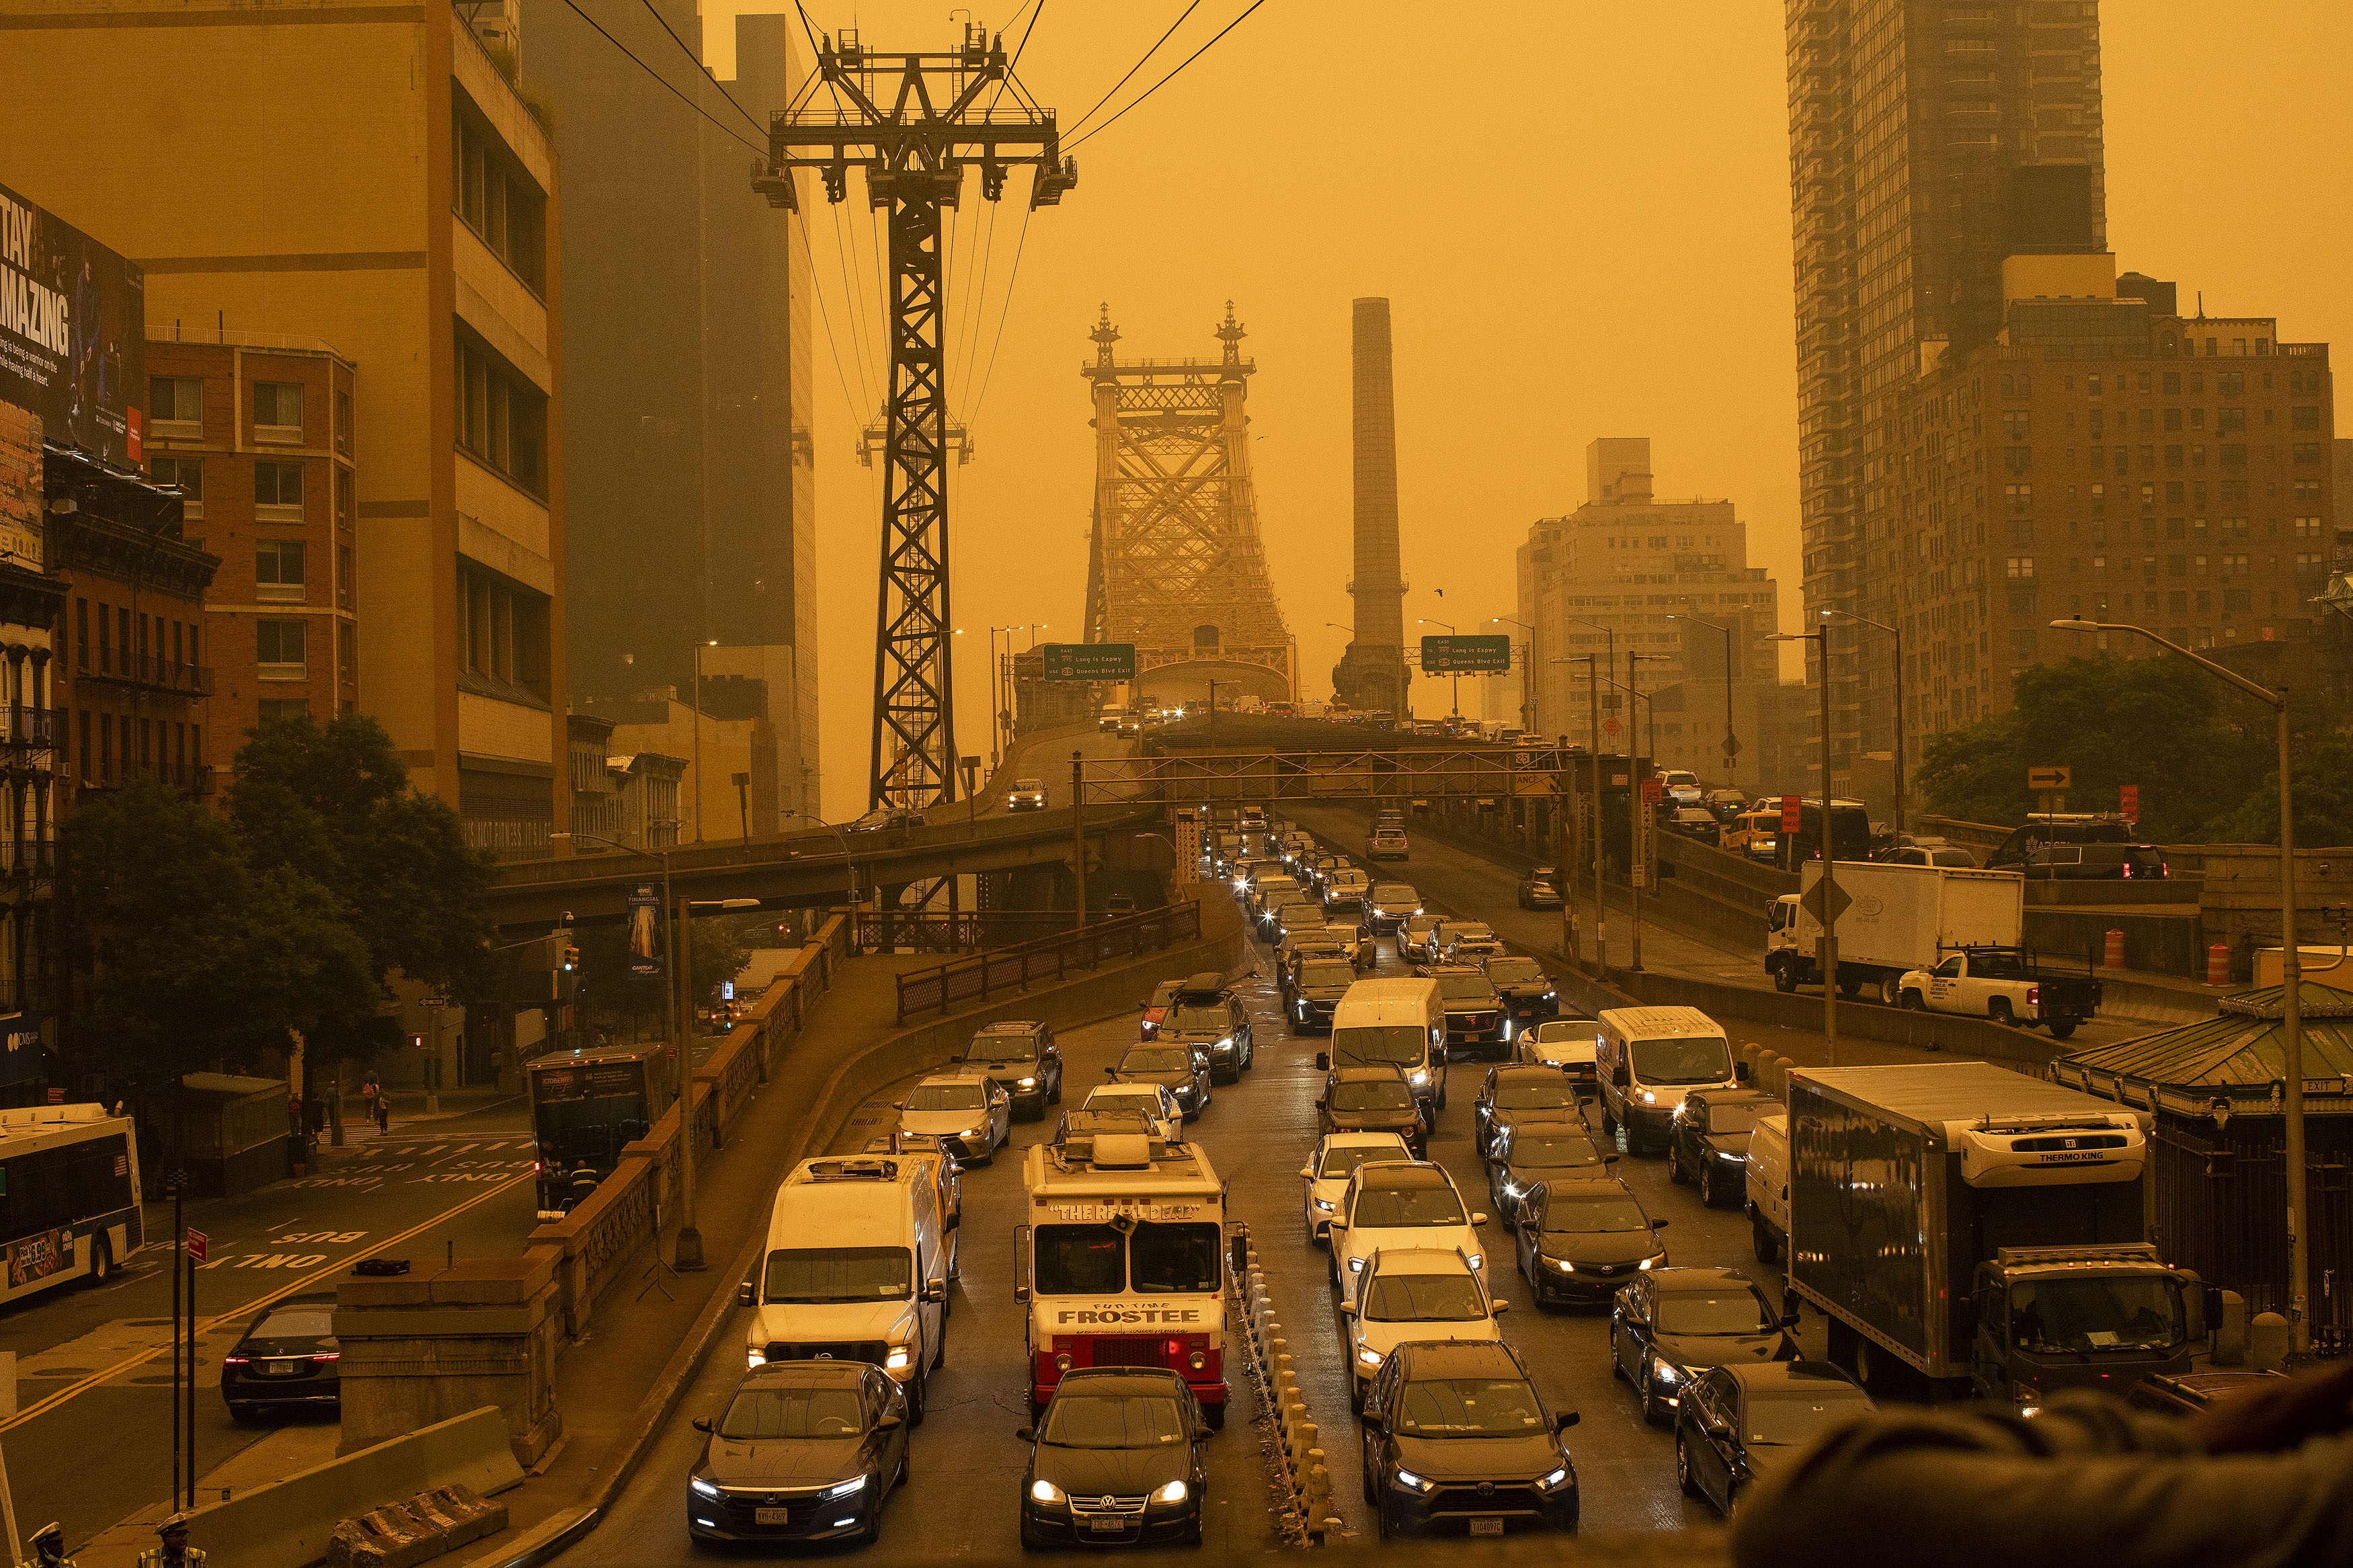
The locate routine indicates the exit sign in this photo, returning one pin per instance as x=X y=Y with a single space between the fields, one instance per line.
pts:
x=1089 y=660
x=1465 y=655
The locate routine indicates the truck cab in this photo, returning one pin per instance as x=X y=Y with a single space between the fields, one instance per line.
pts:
x=2047 y=1318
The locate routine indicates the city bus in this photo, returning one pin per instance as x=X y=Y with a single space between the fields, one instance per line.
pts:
x=69 y=1195
x=585 y=1106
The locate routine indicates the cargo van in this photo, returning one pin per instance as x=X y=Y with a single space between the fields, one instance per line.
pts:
x=1393 y=1023
x=1646 y=1058
x=1768 y=1186
x=856 y=1270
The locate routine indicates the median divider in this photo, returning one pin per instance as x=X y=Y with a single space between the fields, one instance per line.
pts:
x=1294 y=1441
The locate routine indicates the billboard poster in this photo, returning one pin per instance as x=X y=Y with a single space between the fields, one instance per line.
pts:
x=645 y=929
x=37 y=1257
x=73 y=332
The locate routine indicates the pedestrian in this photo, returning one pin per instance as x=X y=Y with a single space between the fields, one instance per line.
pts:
x=48 y=1544
x=175 y=1551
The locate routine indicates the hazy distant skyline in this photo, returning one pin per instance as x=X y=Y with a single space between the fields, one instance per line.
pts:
x=1579 y=213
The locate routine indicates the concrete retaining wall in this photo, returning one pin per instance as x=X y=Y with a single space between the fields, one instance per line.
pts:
x=288 y=1523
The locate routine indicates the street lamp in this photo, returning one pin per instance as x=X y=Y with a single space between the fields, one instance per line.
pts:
x=848 y=863
x=699 y=647
x=1427 y=621
x=1891 y=631
x=1830 y=851
x=2291 y=973
x=1731 y=741
x=1527 y=674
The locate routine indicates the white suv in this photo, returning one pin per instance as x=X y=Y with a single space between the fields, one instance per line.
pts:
x=1414 y=1293
x=1405 y=1204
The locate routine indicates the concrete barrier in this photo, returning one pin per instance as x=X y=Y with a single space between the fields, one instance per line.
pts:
x=291 y=1523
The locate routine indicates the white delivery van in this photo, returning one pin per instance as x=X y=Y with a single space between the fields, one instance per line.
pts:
x=1768 y=1185
x=1394 y=1023
x=1648 y=1058
x=856 y=1270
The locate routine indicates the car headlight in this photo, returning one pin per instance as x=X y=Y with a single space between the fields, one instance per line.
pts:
x=1477 y=1260
x=1652 y=1262
x=1355 y=1266
x=1028 y=1083
x=705 y=1487
x=1650 y=1098
x=1367 y=1357
x=1551 y=996
x=1514 y=1188
x=756 y=1360
x=900 y=1359
x=1063 y=1361
x=1226 y=1044
x=857 y=1484
x=1324 y=1207
x=1044 y=1490
x=1554 y=1480
x=1666 y=1372
x=1419 y=1077
x=1414 y=1483
x=1175 y=1491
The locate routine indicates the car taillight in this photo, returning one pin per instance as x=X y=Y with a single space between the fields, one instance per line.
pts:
x=2035 y=995
x=330 y=1355
x=236 y=1361
x=2128 y=870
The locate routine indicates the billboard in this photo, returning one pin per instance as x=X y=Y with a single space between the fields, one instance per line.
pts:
x=73 y=332
x=646 y=933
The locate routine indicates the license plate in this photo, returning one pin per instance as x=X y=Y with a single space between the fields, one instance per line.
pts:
x=277 y=1368
x=1524 y=1012
x=1486 y=1527
x=1109 y=1526
x=771 y=1516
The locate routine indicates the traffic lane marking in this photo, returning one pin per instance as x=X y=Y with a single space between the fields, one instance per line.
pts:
x=243 y=1312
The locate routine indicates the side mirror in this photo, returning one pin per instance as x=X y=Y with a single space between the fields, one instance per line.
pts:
x=1111 y=1072
x=744 y=1295
x=1740 y=1072
x=1336 y=1224
x=1021 y=1292
x=1371 y=1420
x=936 y=1291
x=703 y=1423
x=1307 y=1173
x=954 y=1218
x=1658 y=1224
x=1348 y=1309
x=1025 y=1434
x=1788 y=1320
x=1609 y=1159
x=1322 y=1061
x=1477 y=1217
x=1563 y=1421
x=892 y=1421
x=898 y=1105
x=1498 y=1309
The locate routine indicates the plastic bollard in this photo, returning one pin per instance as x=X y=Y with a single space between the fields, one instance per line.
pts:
x=2268 y=1338
x=2114 y=958
x=2231 y=1331
x=2217 y=964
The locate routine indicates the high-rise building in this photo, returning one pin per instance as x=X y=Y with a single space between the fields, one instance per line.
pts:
x=1627 y=573
x=373 y=177
x=1928 y=143
x=688 y=462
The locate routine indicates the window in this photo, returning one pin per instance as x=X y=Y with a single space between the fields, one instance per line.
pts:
x=502 y=417
x=2020 y=497
x=2172 y=385
x=175 y=407
x=2173 y=416
x=188 y=473
x=495 y=197
x=2237 y=601
x=275 y=708
x=81 y=727
x=277 y=649
x=346 y=501
x=2305 y=452
x=278 y=570
x=2021 y=602
x=347 y=652
x=343 y=575
x=2022 y=645
x=2018 y=459
x=2022 y=531
x=343 y=423
x=2229 y=419
x=2145 y=385
x=2019 y=566
x=2173 y=456
x=2017 y=423
x=277 y=492
x=502 y=632
x=277 y=412
x=2234 y=455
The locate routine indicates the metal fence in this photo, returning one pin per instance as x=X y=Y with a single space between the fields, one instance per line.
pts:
x=964 y=931
x=944 y=987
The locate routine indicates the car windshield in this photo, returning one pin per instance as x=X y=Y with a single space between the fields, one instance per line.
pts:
x=1190 y=1018
x=1113 y=1096
x=309 y=1322
x=762 y=1415
x=1730 y=1118
x=1682 y=1058
x=1002 y=1048
x=1113 y=1421
x=1733 y=1313
x=947 y=1096
x=1327 y=972
x=1423 y=1298
x=1031 y=785
x=1342 y=1160
x=1469 y=1408
x=1383 y=1207
x=1543 y=1094
x=1401 y=1045
x=1566 y=1215
x=1465 y=988
x=1176 y=1061
x=2120 y=1312
x=1394 y=893
x=1513 y=970
x=1785 y=1418
x=1548 y=1150
x=1371 y=1095
x=1564 y=1032
x=813 y=1275
x=1420 y=923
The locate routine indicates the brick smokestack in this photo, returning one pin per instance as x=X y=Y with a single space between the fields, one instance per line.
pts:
x=1372 y=674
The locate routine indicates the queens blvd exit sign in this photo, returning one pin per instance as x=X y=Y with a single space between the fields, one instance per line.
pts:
x=1089 y=660
x=1465 y=655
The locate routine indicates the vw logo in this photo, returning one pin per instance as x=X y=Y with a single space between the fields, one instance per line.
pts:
x=1110 y=1501
x=1486 y=1489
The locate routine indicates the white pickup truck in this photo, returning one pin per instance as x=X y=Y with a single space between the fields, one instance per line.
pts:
x=2007 y=987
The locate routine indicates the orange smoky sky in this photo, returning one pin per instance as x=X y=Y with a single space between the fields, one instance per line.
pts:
x=1579 y=213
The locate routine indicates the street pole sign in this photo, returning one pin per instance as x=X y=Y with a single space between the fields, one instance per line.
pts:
x=1792 y=813
x=1825 y=901
x=199 y=1245
x=1089 y=660
x=2128 y=801
x=1480 y=655
x=2047 y=778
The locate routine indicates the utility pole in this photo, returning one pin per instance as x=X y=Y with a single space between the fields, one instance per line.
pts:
x=912 y=121
x=1079 y=835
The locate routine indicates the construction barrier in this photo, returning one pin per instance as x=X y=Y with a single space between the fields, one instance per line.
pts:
x=1293 y=1442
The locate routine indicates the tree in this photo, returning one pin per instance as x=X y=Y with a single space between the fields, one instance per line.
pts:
x=2322 y=769
x=194 y=956
x=333 y=802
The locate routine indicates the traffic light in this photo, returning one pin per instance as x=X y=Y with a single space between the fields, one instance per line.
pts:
x=571 y=959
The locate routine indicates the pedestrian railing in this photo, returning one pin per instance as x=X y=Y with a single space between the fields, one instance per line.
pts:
x=944 y=987
x=1293 y=1450
x=964 y=931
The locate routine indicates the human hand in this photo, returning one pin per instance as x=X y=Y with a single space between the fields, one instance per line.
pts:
x=2276 y=1414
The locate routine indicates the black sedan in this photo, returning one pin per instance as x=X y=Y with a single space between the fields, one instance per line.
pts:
x=805 y=1450
x=1672 y=1324
x=1707 y=1143
x=1183 y=1070
x=1740 y=1424
x=1455 y=1435
x=1579 y=1240
x=1372 y=1100
x=287 y=1359
x=1527 y=992
x=1527 y=1151
x=1513 y=1092
x=1315 y=988
x=1116 y=1460
x=1540 y=889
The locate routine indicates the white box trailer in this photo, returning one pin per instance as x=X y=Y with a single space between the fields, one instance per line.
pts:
x=1897 y=919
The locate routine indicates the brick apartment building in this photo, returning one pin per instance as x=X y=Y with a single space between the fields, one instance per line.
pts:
x=257 y=434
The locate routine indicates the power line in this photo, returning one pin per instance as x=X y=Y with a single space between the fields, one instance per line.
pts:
x=761 y=148
x=1164 y=81
x=1138 y=66
x=1011 y=279
x=690 y=55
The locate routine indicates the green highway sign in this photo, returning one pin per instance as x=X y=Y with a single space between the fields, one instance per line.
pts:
x=1089 y=660
x=1465 y=656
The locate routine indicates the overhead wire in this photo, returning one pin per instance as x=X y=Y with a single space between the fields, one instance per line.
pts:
x=1138 y=66
x=1013 y=276
x=1165 y=80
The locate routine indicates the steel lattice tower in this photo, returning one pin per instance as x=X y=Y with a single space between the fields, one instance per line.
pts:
x=915 y=152
x=1176 y=565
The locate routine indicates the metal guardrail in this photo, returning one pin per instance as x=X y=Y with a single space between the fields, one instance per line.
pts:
x=946 y=986
x=966 y=930
x=1292 y=1440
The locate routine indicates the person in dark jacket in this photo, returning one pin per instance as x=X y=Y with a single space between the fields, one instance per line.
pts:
x=2264 y=1479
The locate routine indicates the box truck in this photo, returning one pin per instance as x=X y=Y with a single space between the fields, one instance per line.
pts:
x=1898 y=919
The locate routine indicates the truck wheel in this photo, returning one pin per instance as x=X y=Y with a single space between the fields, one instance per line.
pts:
x=1891 y=989
x=2062 y=1028
x=1784 y=978
x=1915 y=1003
x=1761 y=1237
x=1998 y=1011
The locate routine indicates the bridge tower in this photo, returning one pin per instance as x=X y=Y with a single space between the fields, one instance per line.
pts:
x=1176 y=566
